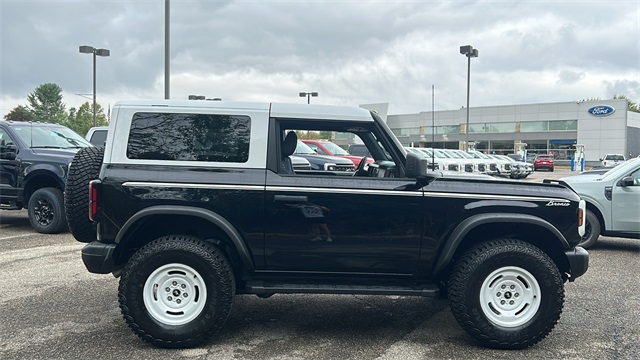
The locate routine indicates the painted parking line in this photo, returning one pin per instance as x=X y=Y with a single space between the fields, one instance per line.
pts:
x=15 y=236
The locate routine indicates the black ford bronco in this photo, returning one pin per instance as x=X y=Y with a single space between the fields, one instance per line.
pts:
x=34 y=158
x=192 y=203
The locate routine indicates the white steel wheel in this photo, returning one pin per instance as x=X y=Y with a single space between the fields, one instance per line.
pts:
x=174 y=294
x=510 y=296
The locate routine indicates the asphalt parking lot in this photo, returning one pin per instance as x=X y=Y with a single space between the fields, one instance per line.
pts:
x=52 y=308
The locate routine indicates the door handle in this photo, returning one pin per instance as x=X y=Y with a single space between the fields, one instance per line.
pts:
x=290 y=198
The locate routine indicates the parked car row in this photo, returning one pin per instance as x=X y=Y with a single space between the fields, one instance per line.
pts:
x=461 y=161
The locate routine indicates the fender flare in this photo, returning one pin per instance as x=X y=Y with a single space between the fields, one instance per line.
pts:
x=212 y=217
x=454 y=240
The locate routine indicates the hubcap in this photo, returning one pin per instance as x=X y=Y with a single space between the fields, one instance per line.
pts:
x=510 y=296
x=174 y=294
x=43 y=212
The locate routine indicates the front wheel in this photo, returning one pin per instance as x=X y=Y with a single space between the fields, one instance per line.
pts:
x=46 y=211
x=591 y=231
x=176 y=291
x=507 y=294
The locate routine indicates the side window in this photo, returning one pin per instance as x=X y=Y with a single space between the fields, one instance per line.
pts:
x=99 y=137
x=189 y=137
x=636 y=177
x=379 y=164
x=4 y=138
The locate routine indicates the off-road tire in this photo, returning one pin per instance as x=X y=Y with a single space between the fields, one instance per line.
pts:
x=46 y=211
x=592 y=230
x=537 y=294
x=171 y=268
x=84 y=168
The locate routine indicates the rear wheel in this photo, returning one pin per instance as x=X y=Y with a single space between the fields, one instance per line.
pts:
x=84 y=168
x=176 y=291
x=591 y=231
x=506 y=293
x=46 y=211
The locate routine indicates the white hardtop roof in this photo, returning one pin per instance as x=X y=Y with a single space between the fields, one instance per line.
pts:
x=301 y=111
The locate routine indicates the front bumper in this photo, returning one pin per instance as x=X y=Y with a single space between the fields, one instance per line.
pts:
x=578 y=262
x=98 y=257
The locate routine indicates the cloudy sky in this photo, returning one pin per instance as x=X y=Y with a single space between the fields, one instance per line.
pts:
x=350 y=52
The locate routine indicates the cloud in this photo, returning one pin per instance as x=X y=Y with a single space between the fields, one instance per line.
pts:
x=351 y=52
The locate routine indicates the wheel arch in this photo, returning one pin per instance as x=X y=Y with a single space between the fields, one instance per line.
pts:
x=38 y=179
x=597 y=211
x=155 y=221
x=482 y=227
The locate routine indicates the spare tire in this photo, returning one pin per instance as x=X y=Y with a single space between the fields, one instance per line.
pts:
x=84 y=168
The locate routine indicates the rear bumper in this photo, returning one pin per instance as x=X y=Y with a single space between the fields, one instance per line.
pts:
x=578 y=262
x=98 y=257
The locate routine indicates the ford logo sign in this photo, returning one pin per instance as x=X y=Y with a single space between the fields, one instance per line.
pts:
x=601 y=110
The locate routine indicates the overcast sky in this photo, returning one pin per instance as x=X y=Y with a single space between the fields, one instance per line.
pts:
x=350 y=52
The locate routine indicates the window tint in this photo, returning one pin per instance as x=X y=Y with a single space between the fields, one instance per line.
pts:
x=99 y=137
x=189 y=137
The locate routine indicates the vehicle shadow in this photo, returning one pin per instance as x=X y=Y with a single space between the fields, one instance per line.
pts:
x=617 y=244
x=14 y=219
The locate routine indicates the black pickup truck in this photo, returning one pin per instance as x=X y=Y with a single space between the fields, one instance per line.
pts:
x=34 y=159
x=197 y=202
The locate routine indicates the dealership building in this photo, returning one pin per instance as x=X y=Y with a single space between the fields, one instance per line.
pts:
x=599 y=127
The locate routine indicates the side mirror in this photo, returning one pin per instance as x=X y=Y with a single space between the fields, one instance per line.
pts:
x=416 y=166
x=8 y=152
x=626 y=181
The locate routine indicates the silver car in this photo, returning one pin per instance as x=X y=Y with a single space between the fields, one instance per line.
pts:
x=613 y=201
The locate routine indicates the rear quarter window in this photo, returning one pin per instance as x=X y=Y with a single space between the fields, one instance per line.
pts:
x=98 y=137
x=189 y=137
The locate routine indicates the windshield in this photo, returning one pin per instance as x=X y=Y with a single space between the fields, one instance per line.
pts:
x=38 y=136
x=443 y=154
x=480 y=155
x=335 y=149
x=465 y=154
x=304 y=149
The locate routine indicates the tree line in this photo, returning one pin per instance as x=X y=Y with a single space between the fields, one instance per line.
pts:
x=45 y=105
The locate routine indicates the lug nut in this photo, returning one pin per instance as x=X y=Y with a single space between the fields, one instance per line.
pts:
x=167 y=289
x=178 y=301
x=169 y=298
x=499 y=294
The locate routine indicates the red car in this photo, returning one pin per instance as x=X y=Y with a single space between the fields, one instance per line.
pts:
x=543 y=161
x=324 y=147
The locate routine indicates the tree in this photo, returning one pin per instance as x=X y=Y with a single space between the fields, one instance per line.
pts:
x=46 y=104
x=81 y=120
x=19 y=113
x=631 y=106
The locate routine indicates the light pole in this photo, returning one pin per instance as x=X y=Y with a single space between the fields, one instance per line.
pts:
x=309 y=95
x=85 y=49
x=469 y=52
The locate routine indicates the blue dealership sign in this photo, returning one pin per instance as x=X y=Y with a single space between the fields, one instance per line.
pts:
x=601 y=110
